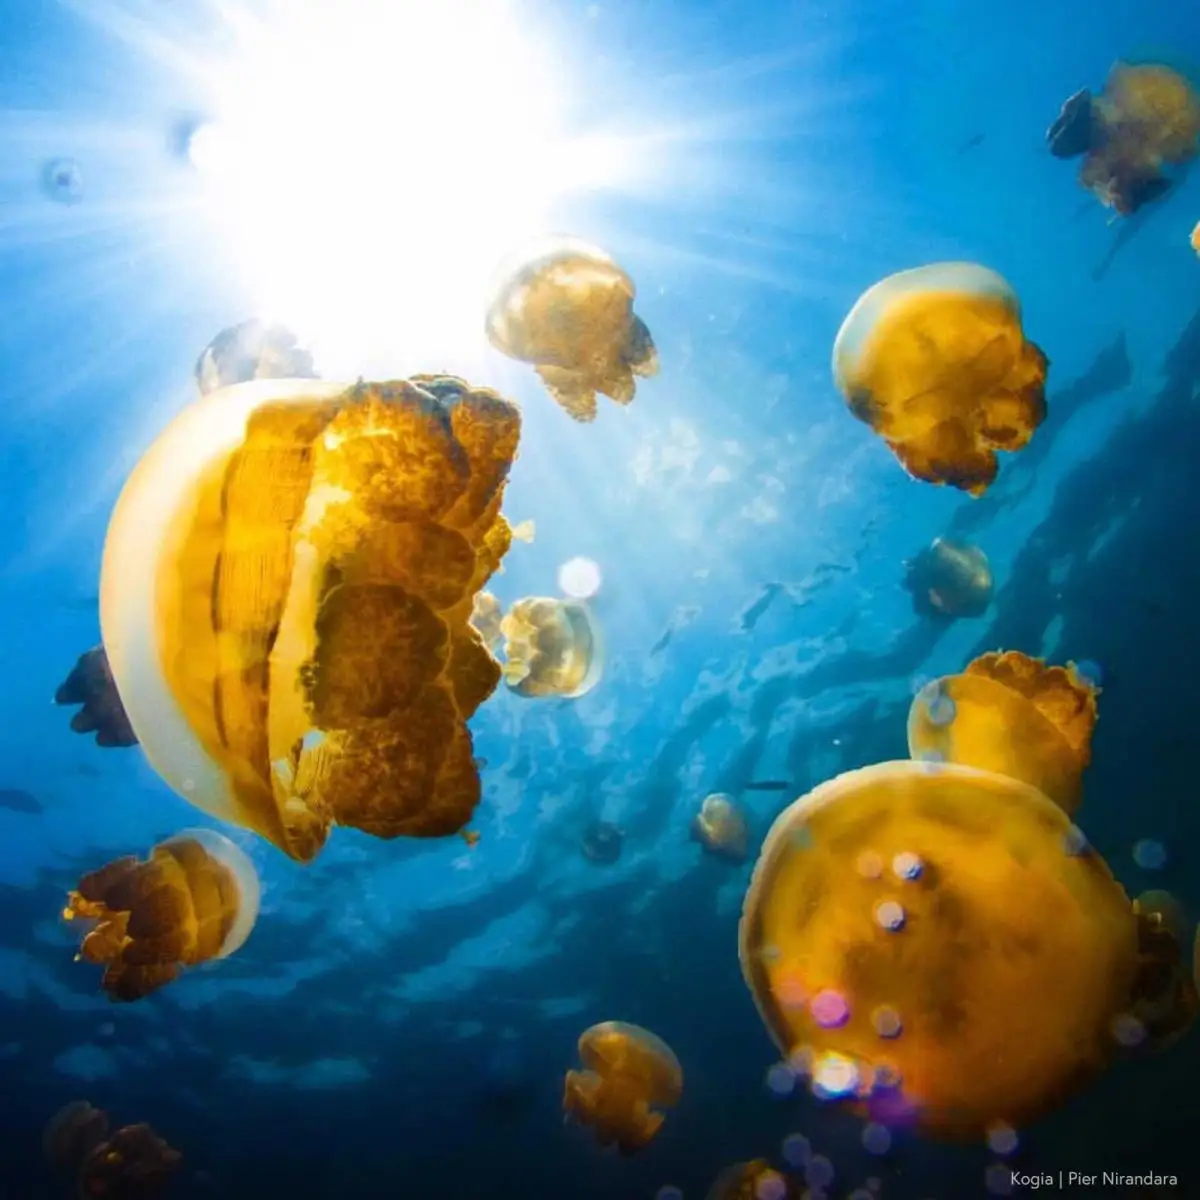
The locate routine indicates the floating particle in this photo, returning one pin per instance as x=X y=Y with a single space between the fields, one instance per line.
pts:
x=998 y=1179
x=1075 y=841
x=1002 y=1139
x=869 y=865
x=1149 y=854
x=886 y=1021
x=790 y=991
x=801 y=1060
x=876 y=1138
x=907 y=865
x=834 y=1076
x=796 y=1150
x=829 y=1009
x=62 y=181
x=771 y=1186
x=781 y=1080
x=1128 y=1030
x=819 y=1172
x=669 y=1192
x=889 y=915
x=939 y=707
x=1090 y=671
x=579 y=578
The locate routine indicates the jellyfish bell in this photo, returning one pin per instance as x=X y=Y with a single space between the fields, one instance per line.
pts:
x=286 y=592
x=194 y=899
x=552 y=647
x=949 y=580
x=72 y=1134
x=935 y=360
x=1164 y=999
x=1011 y=714
x=91 y=686
x=978 y=1036
x=62 y=181
x=629 y=1077
x=754 y=1180
x=602 y=843
x=1075 y=129
x=721 y=827
x=134 y=1161
x=567 y=307
x=251 y=350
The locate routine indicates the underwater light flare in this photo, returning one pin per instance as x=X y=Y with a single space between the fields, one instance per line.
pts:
x=371 y=163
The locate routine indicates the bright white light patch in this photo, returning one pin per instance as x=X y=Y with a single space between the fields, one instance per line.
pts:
x=373 y=160
x=579 y=578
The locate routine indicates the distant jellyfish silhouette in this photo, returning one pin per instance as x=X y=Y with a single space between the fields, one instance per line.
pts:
x=721 y=828
x=72 y=1134
x=602 y=843
x=552 y=648
x=1090 y=672
x=949 y=580
x=193 y=899
x=567 y=308
x=251 y=350
x=130 y=1163
x=935 y=360
x=875 y=977
x=629 y=1078
x=1165 y=1001
x=91 y=685
x=1012 y=714
x=754 y=1180
x=62 y=181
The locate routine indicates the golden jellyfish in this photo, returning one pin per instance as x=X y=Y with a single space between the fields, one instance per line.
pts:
x=949 y=580
x=90 y=685
x=286 y=593
x=937 y=945
x=1195 y=239
x=133 y=1163
x=629 y=1076
x=754 y=1180
x=935 y=360
x=72 y=1134
x=1165 y=999
x=1012 y=714
x=721 y=828
x=552 y=647
x=251 y=350
x=194 y=899
x=567 y=308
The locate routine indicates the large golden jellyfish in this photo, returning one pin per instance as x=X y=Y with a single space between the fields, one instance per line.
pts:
x=286 y=596
x=567 y=308
x=754 y=1180
x=194 y=899
x=552 y=647
x=721 y=828
x=91 y=686
x=935 y=360
x=130 y=1163
x=949 y=580
x=629 y=1077
x=1165 y=999
x=938 y=944
x=251 y=350
x=1012 y=714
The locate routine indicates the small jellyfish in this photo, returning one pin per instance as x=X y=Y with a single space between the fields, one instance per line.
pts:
x=1088 y=671
x=753 y=1180
x=721 y=828
x=629 y=1076
x=1195 y=238
x=1014 y=715
x=194 y=899
x=1164 y=1000
x=579 y=578
x=62 y=181
x=133 y=1163
x=285 y=598
x=251 y=350
x=1149 y=854
x=71 y=1135
x=994 y=874
x=936 y=362
x=552 y=648
x=602 y=843
x=567 y=308
x=91 y=685
x=949 y=580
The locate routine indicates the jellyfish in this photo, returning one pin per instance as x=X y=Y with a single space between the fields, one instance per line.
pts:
x=286 y=593
x=567 y=308
x=720 y=827
x=486 y=615
x=72 y=1134
x=1012 y=714
x=91 y=685
x=62 y=181
x=1075 y=129
x=949 y=580
x=1195 y=238
x=754 y=1180
x=133 y=1163
x=936 y=362
x=1164 y=1000
x=251 y=350
x=194 y=899
x=970 y=976
x=602 y=843
x=629 y=1076
x=552 y=648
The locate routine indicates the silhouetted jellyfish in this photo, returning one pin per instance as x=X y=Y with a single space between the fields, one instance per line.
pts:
x=286 y=594
x=552 y=647
x=629 y=1076
x=567 y=308
x=937 y=946
x=602 y=843
x=1164 y=1000
x=486 y=615
x=754 y=1180
x=133 y=1163
x=949 y=580
x=720 y=827
x=71 y=1135
x=62 y=181
x=90 y=684
x=194 y=899
x=1074 y=130
x=251 y=350
x=1012 y=714
x=936 y=362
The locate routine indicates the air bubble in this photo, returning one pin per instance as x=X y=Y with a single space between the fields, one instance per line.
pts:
x=796 y=1150
x=1002 y=1139
x=781 y=1080
x=829 y=1009
x=889 y=915
x=1149 y=854
x=907 y=865
x=819 y=1172
x=876 y=1139
x=886 y=1021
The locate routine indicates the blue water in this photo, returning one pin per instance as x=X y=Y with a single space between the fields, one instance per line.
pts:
x=401 y=1018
